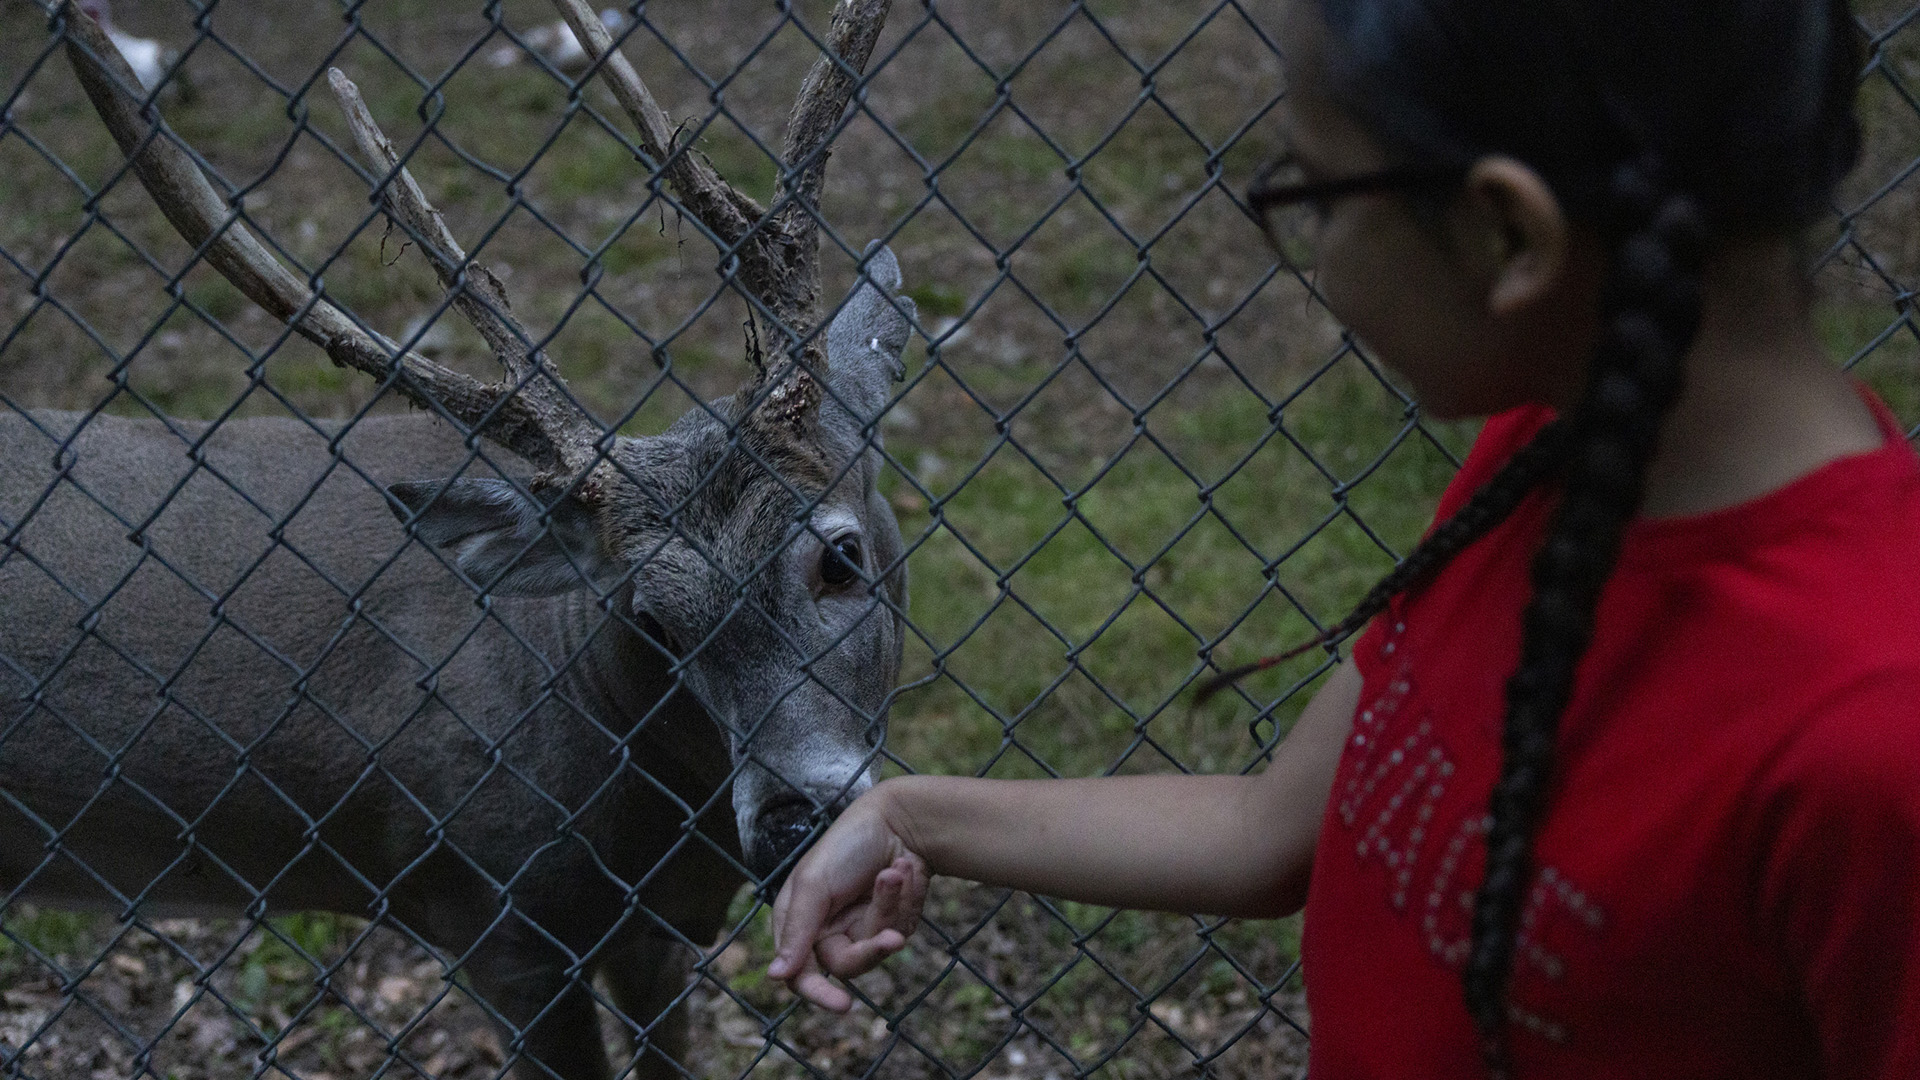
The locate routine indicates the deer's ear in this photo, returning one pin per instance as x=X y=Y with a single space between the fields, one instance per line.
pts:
x=504 y=541
x=865 y=339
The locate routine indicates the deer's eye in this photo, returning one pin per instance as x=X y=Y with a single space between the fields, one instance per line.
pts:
x=840 y=562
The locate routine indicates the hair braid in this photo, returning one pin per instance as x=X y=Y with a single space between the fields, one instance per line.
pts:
x=1651 y=310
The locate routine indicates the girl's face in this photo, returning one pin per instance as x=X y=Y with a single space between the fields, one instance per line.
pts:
x=1425 y=297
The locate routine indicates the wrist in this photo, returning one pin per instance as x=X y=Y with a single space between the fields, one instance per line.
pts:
x=896 y=803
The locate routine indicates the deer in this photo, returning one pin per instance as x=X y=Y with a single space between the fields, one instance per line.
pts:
x=545 y=709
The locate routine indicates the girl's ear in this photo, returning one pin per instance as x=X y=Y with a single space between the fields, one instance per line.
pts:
x=1513 y=233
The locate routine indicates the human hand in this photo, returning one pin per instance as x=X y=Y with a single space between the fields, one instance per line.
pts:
x=851 y=902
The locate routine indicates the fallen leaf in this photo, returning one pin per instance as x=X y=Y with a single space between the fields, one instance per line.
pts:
x=487 y=1041
x=213 y=1036
x=299 y=1037
x=130 y=966
x=732 y=960
x=394 y=989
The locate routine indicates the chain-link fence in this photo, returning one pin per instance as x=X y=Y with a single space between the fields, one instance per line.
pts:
x=244 y=680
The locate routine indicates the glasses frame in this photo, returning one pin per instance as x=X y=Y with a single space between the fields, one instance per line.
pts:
x=1263 y=197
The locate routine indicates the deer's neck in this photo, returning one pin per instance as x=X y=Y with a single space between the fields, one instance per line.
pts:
x=622 y=679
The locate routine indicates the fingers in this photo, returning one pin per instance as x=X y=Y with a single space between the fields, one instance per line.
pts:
x=799 y=913
x=845 y=957
x=913 y=892
x=822 y=991
x=899 y=895
x=849 y=904
x=876 y=929
x=882 y=907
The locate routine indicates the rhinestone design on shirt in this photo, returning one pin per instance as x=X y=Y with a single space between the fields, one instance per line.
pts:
x=1396 y=797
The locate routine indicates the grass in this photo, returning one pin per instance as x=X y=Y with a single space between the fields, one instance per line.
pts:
x=1883 y=348
x=1054 y=626
x=59 y=935
x=281 y=960
x=936 y=301
x=282 y=954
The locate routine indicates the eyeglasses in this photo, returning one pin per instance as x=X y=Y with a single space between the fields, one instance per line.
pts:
x=1291 y=209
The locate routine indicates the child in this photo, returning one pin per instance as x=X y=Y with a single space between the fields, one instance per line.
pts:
x=1624 y=779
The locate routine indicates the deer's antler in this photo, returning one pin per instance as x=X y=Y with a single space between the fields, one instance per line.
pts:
x=478 y=295
x=529 y=414
x=779 y=255
x=530 y=411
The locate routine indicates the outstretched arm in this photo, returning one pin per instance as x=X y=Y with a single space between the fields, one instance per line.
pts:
x=1223 y=845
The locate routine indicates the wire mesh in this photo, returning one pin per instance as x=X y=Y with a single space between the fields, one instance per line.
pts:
x=1127 y=444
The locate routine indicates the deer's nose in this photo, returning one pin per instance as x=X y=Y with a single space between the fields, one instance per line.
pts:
x=787 y=822
x=782 y=828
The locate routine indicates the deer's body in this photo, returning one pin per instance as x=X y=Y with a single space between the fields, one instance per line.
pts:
x=285 y=676
x=320 y=717
x=232 y=682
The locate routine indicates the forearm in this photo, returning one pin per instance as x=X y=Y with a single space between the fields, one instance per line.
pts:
x=1169 y=843
x=1218 y=845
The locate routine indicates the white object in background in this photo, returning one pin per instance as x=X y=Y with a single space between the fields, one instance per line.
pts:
x=148 y=58
x=556 y=44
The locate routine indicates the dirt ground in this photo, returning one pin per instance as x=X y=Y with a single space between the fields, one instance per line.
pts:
x=995 y=985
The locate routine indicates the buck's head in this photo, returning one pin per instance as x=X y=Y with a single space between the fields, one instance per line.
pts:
x=758 y=551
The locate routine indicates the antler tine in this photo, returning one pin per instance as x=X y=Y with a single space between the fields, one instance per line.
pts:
x=478 y=294
x=817 y=110
x=206 y=222
x=779 y=261
x=728 y=213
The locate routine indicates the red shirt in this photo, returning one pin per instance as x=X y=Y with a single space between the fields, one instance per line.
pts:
x=1728 y=878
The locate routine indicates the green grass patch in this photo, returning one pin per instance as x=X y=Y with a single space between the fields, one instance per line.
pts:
x=290 y=951
x=210 y=293
x=1015 y=155
x=936 y=301
x=634 y=251
x=936 y=128
x=1144 y=160
x=599 y=166
x=1884 y=348
x=258 y=123
x=1088 y=272
x=746 y=164
x=197 y=399
x=62 y=936
x=1060 y=627
x=661 y=399
x=312 y=377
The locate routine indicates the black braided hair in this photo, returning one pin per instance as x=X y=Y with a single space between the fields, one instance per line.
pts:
x=1651 y=310
x=1670 y=126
